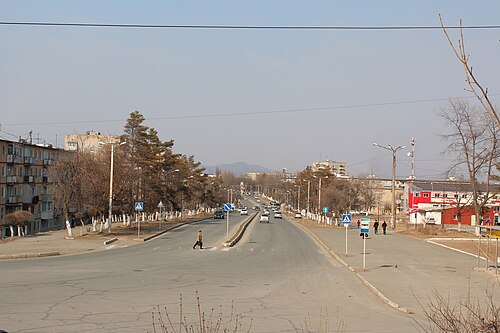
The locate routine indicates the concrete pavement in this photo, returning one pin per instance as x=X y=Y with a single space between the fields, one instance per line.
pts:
x=405 y=272
x=402 y=271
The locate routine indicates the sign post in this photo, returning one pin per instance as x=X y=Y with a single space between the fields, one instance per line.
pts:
x=227 y=208
x=325 y=210
x=346 y=221
x=138 y=208
x=160 y=205
x=365 y=229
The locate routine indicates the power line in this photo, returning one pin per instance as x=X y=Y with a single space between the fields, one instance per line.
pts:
x=252 y=113
x=242 y=27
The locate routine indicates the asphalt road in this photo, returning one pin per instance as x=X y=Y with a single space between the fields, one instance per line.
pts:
x=276 y=276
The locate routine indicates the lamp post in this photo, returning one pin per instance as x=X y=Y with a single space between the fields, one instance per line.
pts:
x=393 y=201
x=308 y=194
x=110 y=212
x=319 y=192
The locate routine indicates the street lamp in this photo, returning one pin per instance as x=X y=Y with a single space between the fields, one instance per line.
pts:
x=393 y=201
x=319 y=192
x=110 y=212
x=308 y=193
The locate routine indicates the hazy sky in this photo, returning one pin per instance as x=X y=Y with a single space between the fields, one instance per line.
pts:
x=352 y=88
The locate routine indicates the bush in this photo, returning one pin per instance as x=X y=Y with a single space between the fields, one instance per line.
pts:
x=211 y=323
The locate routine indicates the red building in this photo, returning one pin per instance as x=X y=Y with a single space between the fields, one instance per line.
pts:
x=440 y=202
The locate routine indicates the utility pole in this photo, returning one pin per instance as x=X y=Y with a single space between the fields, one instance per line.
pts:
x=393 y=201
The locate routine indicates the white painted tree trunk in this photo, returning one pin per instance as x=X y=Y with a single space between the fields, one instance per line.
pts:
x=94 y=224
x=12 y=233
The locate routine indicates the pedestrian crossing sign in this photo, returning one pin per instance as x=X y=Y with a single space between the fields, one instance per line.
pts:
x=346 y=219
x=138 y=205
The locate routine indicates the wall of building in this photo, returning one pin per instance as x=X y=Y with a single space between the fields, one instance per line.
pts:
x=25 y=184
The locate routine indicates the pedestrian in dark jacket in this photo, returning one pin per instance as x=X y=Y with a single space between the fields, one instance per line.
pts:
x=199 y=240
x=375 y=226
x=384 y=227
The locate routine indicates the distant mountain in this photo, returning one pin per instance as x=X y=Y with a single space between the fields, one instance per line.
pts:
x=237 y=168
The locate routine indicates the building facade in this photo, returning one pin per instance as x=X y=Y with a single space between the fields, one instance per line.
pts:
x=26 y=185
x=338 y=169
x=89 y=142
x=440 y=202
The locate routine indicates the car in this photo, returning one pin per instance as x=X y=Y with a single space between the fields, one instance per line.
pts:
x=277 y=215
x=298 y=215
x=264 y=217
x=219 y=214
x=256 y=208
x=244 y=211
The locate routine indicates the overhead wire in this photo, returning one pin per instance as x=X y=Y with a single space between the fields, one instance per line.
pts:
x=242 y=27
x=250 y=113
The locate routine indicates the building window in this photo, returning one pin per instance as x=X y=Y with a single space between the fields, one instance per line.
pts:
x=426 y=195
x=417 y=195
x=455 y=217
x=464 y=196
x=445 y=195
x=455 y=196
x=437 y=195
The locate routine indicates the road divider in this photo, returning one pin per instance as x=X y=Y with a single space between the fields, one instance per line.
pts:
x=239 y=232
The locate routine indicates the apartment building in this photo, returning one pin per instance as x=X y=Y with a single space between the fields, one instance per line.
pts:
x=338 y=169
x=26 y=185
x=89 y=142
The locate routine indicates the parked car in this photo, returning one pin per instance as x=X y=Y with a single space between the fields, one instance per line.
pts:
x=219 y=214
x=264 y=217
x=277 y=215
x=298 y=215
x=244 y=211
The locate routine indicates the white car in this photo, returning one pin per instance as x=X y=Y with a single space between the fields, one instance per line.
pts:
x=244 y=211
x=277 y=215
x=264 y=217
x=298 y=215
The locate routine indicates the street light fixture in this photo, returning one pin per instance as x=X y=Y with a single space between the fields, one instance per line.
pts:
x=393 y=201
x=110 y=212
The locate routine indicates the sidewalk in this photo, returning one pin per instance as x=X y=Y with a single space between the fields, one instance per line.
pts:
x=404 y=271
x=57 y=242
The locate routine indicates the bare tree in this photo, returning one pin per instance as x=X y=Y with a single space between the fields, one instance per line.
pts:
x=474 y=140
x=467 y=315
x=474 y=86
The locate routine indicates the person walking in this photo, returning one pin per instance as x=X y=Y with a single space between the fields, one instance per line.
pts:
x=384 y=227
x=358 y=223
x=375 y=226
x=199 y=240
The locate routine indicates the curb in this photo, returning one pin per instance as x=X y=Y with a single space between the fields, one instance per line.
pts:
x=239 y=232
x=29 y=255
x=345 y=264
x=109 y=241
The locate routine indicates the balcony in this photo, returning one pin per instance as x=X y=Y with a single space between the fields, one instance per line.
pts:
x=47 y=215
x=47 y=197
x=11 y=200
x=47 y=162
x=11 y=179
x=29 y=179
x=13 y=159
x=28 y=160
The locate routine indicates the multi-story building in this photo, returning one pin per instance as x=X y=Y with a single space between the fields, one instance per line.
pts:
x=88 y=142
x=25 y=184
x=338 y=169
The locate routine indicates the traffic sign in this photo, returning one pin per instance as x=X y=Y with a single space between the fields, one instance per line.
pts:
x=364 y=225
x=138 y=205
x=346 y=219
x=325 y=209
x=228 y=207
x=161 y=205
